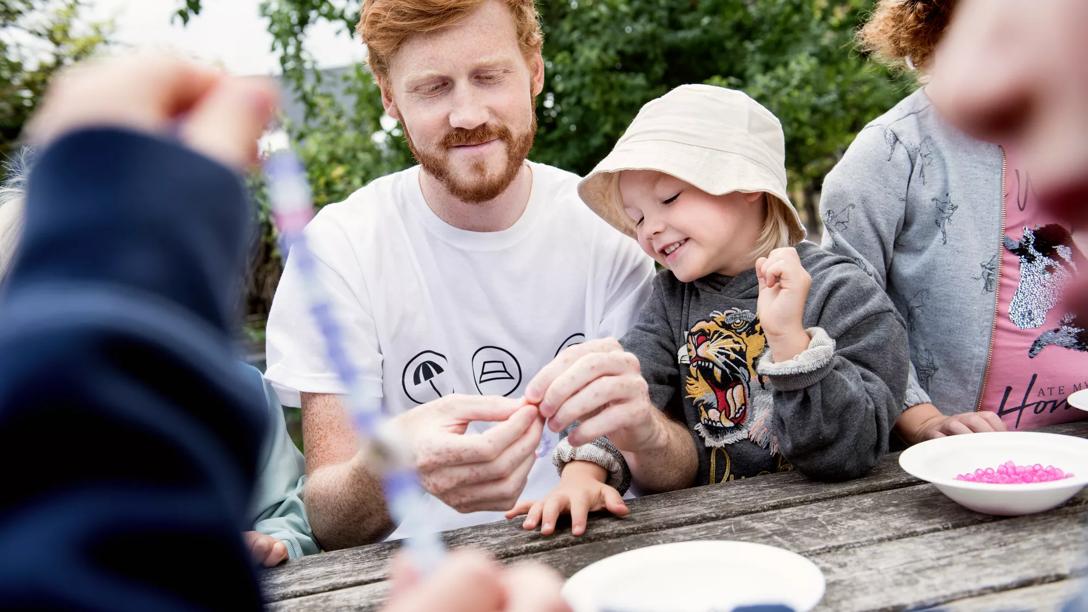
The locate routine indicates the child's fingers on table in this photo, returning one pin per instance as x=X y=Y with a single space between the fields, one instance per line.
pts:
x=259 y=546
x=579 y=512
x=978 y=423
x=532 y=519
x=955 y=427
x=522 y=507
x=613 y=502
x=553 y=506
x=994 y=421
x=277 y=555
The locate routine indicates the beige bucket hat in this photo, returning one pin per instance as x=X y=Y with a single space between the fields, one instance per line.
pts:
x=717 y=139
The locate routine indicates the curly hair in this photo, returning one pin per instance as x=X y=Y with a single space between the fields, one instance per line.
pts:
x=904 y=33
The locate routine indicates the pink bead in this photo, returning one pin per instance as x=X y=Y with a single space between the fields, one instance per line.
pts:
x=1010 y=473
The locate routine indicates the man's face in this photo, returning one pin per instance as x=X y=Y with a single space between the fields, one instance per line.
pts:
x=464 y=96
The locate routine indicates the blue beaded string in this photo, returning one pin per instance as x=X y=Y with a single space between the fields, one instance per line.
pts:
x=292 y=209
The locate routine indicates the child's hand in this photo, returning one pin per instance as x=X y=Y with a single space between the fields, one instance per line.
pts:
x=924 y=422
x=581 y=490
x=783 y=289
x=266 y=550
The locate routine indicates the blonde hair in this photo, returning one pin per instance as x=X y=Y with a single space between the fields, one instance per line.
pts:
x=904 y=33
x=384 y=25
x=777 y=230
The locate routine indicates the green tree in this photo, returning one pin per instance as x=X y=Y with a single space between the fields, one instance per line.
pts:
x=604 y=59
x=37 y=39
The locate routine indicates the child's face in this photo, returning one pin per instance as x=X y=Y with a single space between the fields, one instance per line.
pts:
x=689 y=231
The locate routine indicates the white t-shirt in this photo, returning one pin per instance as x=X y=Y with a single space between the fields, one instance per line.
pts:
x=428 y=309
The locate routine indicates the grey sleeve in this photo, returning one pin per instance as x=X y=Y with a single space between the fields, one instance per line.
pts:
x=862 y=206
x=836 y=402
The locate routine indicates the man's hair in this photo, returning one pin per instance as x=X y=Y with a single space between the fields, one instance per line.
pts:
x=777 y=230
x=899 y=31
x=384 y=25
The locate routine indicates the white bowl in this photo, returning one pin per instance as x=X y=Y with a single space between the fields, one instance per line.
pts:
x=939 y=461
x=698 y=576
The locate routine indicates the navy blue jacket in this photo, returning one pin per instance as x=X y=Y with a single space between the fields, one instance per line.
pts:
x=127 y=432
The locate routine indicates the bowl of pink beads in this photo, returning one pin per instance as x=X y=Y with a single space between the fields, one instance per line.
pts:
x=1006 y=473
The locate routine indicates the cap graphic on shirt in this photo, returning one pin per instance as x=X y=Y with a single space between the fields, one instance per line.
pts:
x=496 y=370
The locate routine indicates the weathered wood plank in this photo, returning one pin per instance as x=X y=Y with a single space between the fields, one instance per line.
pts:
x=651 y=514
x=1049 y=597
x=364 y=564
x=936 y=568
x=841 y=525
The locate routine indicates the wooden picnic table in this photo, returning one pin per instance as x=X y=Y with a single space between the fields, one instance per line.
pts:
x=886 y=541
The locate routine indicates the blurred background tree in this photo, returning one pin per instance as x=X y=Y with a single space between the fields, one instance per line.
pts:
x=604 y=59
x=37 y=38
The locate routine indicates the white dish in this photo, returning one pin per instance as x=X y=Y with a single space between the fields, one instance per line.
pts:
x=1079 y=399
x=939 y=461
x=701 y=575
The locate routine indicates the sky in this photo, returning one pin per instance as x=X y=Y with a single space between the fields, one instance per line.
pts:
x=227 y=32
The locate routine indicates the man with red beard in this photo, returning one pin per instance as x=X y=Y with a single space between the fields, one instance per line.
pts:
x=455 y=281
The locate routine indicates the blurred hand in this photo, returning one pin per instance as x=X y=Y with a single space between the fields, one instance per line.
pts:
x=600 y=385
x=469 y=581
x=468 y=471
x=1013 y=72
x=581 y=490
x=266 y=550
x=217 y=115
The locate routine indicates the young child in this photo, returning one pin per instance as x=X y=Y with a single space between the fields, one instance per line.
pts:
x=766 y=356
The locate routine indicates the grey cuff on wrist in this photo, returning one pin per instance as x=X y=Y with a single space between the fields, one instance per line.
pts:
x=601 y=452
x=806 y=368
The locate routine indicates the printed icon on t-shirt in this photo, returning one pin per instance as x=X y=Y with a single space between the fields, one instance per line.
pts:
x=570 y=341
x=496 y=370
x=426 y=377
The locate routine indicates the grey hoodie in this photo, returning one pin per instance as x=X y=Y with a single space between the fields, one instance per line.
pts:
x=827 y=412
x=920 y=205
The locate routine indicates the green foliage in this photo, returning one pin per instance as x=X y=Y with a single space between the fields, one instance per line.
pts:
x=37 y=39
x=604 y=59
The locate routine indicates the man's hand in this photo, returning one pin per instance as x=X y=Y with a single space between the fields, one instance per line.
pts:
x=600 y=385
x=217 y=115
x=469 y=471
x=469 y=581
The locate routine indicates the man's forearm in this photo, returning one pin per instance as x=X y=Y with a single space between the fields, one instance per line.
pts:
x=346 y=505
x=667 y=465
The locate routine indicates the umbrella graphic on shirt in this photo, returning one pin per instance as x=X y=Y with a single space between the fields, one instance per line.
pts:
x=426 y=372
x=427 y=377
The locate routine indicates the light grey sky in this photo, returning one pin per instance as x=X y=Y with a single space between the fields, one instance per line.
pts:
x=227 y=32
